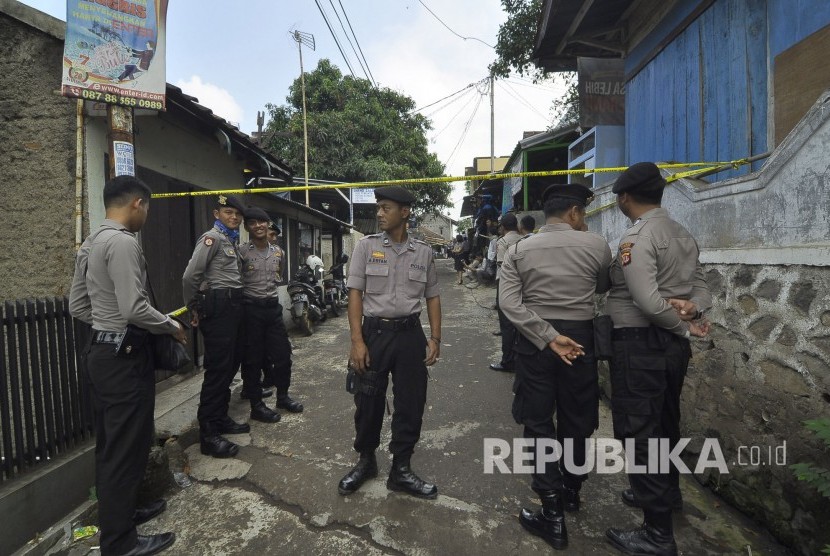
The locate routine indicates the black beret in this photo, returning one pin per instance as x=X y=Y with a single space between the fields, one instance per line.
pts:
x=256 y=213
x=509 y=220
x=394 y=193
x=574 y=191
x=231 y=201
x=273 y=226
x=640 y=176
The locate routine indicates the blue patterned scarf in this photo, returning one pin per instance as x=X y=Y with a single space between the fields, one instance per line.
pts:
x=232 y=234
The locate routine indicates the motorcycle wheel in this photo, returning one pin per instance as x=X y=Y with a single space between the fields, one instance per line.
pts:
x=304 y=322
x=335 y=310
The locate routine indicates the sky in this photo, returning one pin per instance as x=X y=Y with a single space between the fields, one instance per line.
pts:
x=236 y=57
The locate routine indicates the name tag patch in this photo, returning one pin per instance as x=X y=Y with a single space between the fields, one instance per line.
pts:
x=378 y=257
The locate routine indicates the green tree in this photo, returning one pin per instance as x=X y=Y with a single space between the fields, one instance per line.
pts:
x=356 y=133
x=464 y=224
x=514 y=50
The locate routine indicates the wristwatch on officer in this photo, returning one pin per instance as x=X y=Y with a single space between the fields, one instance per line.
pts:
x=437 y=340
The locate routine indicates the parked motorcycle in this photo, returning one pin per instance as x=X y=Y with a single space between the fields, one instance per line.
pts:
x=336 y=294
x=307 y=303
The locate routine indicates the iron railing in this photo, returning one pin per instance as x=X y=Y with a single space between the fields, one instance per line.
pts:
x=44 y=405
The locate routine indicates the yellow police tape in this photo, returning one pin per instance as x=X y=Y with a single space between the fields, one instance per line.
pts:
x=445 y=179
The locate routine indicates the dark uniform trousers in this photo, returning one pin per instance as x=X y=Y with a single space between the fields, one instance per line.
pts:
x=123 y=399
x=508 y=334
x=646 y=380
x=399 y=353
x=266 y=344
x=545 y=385
x=221 y=325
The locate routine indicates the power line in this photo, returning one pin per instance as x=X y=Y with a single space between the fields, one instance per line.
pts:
x=448 y=96
x=356 y=41
x=458 y=113
x=448 y=104
x=451 y=30
x=466 y=129
x=359 y=61
x=515 y=95
x=337 y=42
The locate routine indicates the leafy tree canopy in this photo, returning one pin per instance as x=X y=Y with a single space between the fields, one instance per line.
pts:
x=356 y=133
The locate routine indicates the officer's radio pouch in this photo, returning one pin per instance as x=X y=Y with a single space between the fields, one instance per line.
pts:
x=603 y=329
x=134 y=338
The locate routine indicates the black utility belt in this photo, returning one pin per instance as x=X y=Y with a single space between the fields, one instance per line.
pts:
x=105 y=337
x=404 y=323
x=638 y=333
x=261 y=302
x=563 y=324
x=225 y=293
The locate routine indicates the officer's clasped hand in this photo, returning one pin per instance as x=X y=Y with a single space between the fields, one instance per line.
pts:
x=566 y=348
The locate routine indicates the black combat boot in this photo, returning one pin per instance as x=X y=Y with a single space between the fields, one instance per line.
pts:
x=285 y=402
x=212 y=443
x=226 y=425
x=630 y=499
x=366 y=468
x=648 y=540
x=263 y=413
x=549 y=522
x=570 y=499
x=403 y=479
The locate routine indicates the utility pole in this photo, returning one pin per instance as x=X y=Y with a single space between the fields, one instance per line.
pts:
x=308 y=40
x=492 y=125
x=120 y=141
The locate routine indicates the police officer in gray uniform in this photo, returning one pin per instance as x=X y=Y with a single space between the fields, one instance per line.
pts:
x=212 y=287
x=265 y=336
x=548 y=282
x=108 y=289
x=509 y=224
x=657 y=299
x=389 y=274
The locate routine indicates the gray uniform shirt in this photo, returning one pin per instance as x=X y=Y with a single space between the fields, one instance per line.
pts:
x=214 y=264
x=114 y=284
x=657 y=259
x=393 y=277
x=553 y=274
x=260 y=270
x=502 y=244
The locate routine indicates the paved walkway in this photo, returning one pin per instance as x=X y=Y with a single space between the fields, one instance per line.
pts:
x=280 y=494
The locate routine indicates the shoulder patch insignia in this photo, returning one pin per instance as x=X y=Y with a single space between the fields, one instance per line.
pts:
x=208 y=241
x=625 y=253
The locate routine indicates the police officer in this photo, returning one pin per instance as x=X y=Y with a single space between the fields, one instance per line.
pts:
x=109 y=288
x=389 y=274
x=510 y=225
x=656 y=301
x=212 y=287
x=548 y=282
x=265 y=336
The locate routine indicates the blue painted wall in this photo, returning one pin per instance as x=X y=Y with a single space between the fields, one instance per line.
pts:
x=705 y=96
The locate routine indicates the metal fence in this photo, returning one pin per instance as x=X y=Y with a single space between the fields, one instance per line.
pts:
x=44 y=407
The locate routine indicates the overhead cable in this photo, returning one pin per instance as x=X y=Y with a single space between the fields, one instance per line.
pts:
x=450 y=28
x=337 y=42
x=346 y=34
x=356 y=42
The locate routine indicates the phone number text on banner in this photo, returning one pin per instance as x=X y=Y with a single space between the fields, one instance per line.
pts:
x=114 y=52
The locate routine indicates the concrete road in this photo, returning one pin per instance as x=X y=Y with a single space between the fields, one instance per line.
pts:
x=279 y=496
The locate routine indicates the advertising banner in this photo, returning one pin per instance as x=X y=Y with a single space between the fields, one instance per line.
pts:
x=601 y=92
x=114 y=52
x=363 y=196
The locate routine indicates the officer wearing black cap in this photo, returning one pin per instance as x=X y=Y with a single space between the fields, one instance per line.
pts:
x=212 y=287
x=548 y=282
x=657 y=298
x=390 y=273
x=265 y=336
x=510 y=225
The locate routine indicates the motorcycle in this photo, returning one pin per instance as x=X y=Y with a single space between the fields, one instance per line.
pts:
x=334 y=288
x=307 y=303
